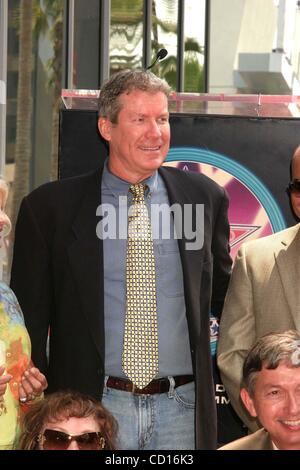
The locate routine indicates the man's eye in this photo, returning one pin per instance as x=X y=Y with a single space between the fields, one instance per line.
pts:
x=163 y=120
x=274 y=393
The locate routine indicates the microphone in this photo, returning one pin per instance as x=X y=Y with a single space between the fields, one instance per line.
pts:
x=161 y=54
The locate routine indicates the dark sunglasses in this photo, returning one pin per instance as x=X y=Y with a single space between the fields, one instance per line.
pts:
x=59 y=440
x=294 y=186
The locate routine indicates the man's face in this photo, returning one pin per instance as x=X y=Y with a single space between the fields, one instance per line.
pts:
x=139 y=142
x=295 y=196
x=276 y=403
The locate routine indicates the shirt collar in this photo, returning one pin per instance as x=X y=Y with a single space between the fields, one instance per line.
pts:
x=118 y=187
x=274 y=446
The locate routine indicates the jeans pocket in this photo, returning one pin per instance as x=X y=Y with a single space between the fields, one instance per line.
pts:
x=105 y=390
x=185 y=395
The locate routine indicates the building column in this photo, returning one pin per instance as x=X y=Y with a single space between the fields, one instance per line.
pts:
x=3 y=80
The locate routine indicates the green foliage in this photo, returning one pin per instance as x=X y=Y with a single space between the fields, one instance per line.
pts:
x=126 y=13
x=48 y=20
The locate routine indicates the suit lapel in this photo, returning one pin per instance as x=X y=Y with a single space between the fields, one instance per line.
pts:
x=85 y=255
x=267 y=443
x=287 y=260
x=261 y=440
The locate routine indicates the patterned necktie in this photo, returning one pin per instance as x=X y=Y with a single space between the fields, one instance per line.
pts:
x=140 y=350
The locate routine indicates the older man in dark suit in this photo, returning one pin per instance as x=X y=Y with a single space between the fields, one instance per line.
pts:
x=70 y=274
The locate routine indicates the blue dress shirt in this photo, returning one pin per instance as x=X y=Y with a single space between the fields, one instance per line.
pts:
x=173 y=337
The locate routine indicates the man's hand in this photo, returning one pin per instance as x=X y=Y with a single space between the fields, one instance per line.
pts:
x=33 y=383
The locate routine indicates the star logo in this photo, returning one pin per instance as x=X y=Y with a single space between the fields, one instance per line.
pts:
x=239 y=232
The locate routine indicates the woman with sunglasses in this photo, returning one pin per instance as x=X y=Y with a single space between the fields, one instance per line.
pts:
x=68 y=421
x=20 y=382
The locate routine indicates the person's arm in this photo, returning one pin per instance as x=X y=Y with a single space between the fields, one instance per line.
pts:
x=31 y=280
x=237 y=334
x=4 y=380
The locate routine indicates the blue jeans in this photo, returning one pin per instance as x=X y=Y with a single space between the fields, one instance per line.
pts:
x=154 y=422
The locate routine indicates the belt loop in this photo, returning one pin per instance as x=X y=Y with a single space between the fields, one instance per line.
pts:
x=172 y=386
x=105 y=383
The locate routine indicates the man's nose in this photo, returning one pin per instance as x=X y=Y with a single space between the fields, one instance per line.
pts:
x=293 y=403
x=153 y=129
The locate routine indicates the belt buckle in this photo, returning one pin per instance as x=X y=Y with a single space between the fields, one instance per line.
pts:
x=136 y=390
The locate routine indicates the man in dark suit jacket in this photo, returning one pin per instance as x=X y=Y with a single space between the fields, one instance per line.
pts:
x=73 y=281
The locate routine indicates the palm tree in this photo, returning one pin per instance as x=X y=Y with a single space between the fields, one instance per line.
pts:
x=24 y=109
x=48 y=19
x=193 y=71
x=34 y=21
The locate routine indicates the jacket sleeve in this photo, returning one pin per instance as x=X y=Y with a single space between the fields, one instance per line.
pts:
x=31 y=280
x=222 y=261
x=237 y=334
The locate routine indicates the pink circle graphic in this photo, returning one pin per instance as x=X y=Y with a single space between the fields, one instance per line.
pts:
x=247 y=217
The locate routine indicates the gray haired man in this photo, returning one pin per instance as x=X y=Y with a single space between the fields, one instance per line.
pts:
x=271 y=393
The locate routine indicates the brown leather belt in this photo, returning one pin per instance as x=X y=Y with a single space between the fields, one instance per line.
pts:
x=156 y=386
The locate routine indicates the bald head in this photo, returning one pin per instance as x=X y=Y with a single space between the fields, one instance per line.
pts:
x=296 y=164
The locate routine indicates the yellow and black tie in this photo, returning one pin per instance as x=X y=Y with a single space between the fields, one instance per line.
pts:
x=140 y=349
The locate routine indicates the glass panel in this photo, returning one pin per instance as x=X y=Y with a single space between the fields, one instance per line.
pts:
x=126 y=34
x=194 y=43
x=86 y=44
x=34 y=65
x=164 y=35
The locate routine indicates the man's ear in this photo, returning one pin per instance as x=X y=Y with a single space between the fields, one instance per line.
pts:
x=248 y=402
x=104 y=126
